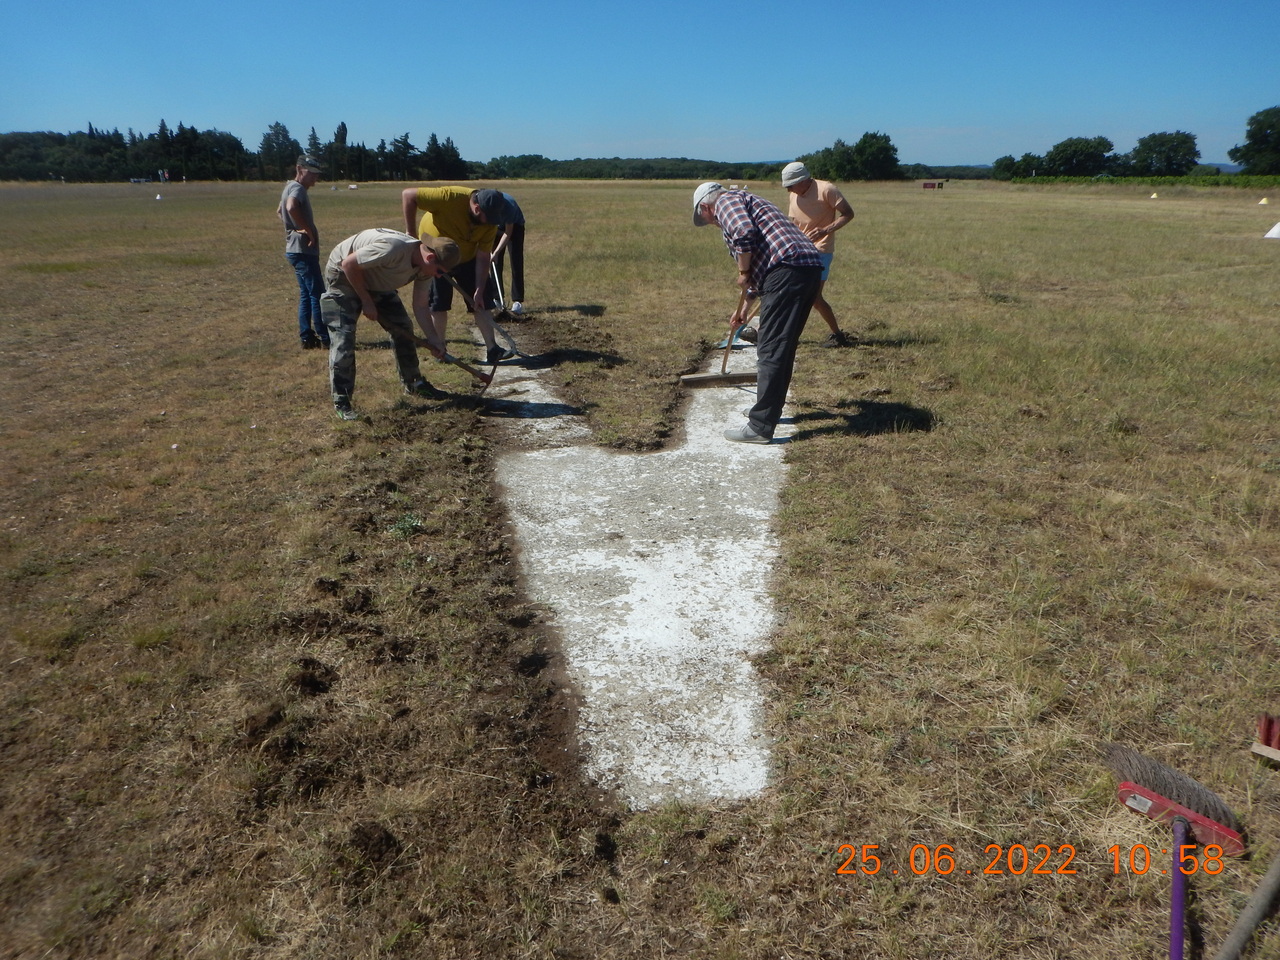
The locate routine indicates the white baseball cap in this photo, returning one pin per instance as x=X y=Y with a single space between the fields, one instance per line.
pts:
x=700 y=197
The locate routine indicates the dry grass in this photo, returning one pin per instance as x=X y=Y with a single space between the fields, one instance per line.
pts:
x=272 y=689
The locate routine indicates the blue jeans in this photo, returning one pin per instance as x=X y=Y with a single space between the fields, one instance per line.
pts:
x=310 y=288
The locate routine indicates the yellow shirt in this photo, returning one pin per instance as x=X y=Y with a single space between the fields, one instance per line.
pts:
x=446 y=212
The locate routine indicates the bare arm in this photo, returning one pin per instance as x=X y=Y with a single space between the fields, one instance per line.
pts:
x=503 y=240
x=409 y=203
x=483 y=259
x=355 y=276
x=422 y=313
x=845 y=215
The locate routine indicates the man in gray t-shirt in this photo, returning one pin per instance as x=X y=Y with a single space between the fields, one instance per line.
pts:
x=302 y=250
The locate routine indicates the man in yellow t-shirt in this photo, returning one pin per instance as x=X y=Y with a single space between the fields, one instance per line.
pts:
x=819 y=210
x=470 y=218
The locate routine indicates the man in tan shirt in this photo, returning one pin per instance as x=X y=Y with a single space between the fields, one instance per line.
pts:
x=361 y=279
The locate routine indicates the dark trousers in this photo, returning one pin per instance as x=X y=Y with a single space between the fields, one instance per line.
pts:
x=441 y=297
x=516 y=246
x=785 y=303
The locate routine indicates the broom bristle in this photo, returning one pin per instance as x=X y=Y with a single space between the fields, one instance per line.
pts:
x=1129 y=764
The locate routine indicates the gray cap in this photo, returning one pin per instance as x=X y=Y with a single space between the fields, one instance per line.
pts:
x=310 y=163
x=495 y=207
x=794 y=173
x=700 y=196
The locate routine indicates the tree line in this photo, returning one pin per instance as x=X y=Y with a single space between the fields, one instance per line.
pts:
x=96 y=155
x=99 y=156
x=190 y=154
x=1156 y=155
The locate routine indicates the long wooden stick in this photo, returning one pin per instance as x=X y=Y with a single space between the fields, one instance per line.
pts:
x=733 y=332
x=398 y=334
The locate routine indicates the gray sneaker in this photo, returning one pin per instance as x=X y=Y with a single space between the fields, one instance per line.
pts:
x=744 y=434
x=344 y=410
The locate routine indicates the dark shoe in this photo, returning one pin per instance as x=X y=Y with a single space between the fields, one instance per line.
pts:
x=836 y=340
x=344 y=410
x=744 y=434
x=497 y=353
x=422 y=389
x=310 y=342
x=748 y=335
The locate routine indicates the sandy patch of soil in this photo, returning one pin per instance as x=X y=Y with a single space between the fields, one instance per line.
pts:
x=655 y=567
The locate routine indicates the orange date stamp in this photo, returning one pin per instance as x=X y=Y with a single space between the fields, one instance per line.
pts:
x=1018 y=859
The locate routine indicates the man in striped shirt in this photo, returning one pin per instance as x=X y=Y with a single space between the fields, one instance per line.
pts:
x=781 y=266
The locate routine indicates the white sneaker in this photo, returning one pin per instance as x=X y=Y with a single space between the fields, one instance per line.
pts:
x=517 y=308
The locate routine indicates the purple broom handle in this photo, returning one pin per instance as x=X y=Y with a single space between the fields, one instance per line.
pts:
x=1179 y=892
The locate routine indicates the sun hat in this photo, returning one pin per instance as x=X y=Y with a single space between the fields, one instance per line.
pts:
x=446 y=251
x=495 y=207
x=310 y=163
x=700 y=197
x=794 y=173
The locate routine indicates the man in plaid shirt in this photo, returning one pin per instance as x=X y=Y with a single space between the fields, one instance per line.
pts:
x=781 y=266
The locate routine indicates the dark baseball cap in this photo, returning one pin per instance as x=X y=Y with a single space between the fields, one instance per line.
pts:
x=495 y=207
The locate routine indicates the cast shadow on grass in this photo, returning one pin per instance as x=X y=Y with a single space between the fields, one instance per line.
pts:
x=586 y=309
x=872 y=418
x=522 y=410
x=906 y=340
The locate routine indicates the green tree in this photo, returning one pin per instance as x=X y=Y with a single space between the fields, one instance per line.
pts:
x=1261 y=151
x=278 y=153
x=314 y=147
x=401 y=157
x=1164 y=155
x=336 y=154
x=876 y=158
x=1078 y=157
x=1005 y=168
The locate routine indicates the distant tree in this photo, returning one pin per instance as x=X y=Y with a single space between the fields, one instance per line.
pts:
x=401 y=157
x=1261 y=151
x=336 y=154
x=1078 y=157
x=433 y=160
x=876 y=158
x=314 y=147
x=1163 y=155
x=186 y=150
x=1028 y=165
x=278 y=153
x=224 y=155
x=1005 y=168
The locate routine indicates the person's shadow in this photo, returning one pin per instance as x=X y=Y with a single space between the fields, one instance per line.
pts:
x=863 y=418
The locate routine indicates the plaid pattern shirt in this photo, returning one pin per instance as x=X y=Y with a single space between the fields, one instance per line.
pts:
x=750 y=223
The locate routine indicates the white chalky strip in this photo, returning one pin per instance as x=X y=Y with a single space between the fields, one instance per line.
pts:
x=656 y=568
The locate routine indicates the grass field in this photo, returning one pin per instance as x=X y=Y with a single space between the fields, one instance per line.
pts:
x=272 y=689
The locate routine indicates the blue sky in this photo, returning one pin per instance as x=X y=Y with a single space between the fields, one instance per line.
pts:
x=949 y=82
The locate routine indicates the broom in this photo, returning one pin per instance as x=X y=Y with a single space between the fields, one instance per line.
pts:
x=1150 y=788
